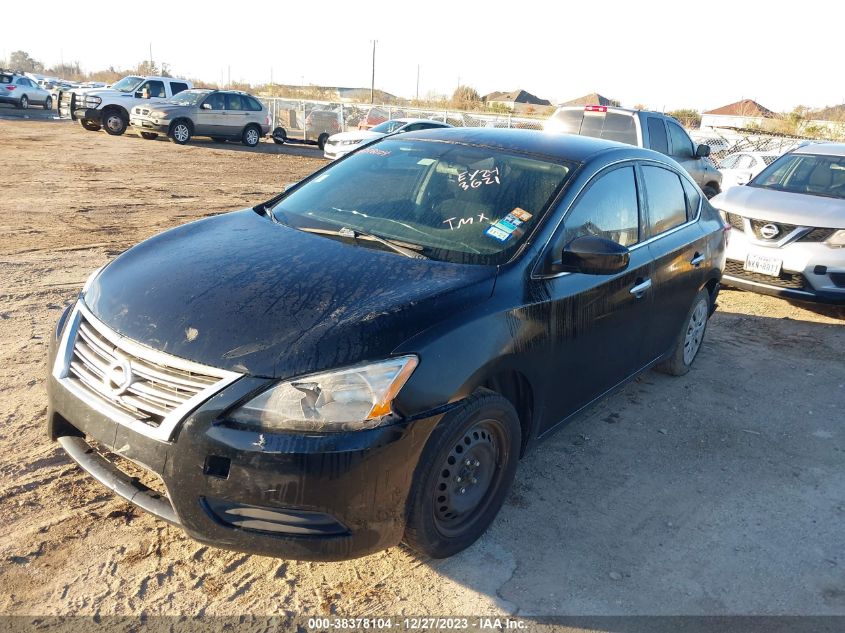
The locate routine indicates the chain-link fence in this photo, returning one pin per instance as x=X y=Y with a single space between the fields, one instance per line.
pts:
x=724 y=143
x=308 y=121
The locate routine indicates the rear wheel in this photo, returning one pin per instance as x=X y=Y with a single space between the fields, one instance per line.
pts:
x=463 y=476
x=88 y=125
x=115 y=122
x=251 y=136
x=180 y=132
x=690 y=337
x=149 y=135
x=48 y=103
x=321 y=140
x=24 y=102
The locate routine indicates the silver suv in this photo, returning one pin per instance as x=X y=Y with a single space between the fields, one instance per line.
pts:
x=21 y=92
x=221 y=114
x=642 y=128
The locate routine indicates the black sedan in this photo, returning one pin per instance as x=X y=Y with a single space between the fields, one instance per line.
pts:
x=364 y=358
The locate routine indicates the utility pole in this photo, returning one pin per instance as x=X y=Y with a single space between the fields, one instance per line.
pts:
x=418 y=82
x=229 y=78
x=373 y=80
x=151 y=57
x=271 y=75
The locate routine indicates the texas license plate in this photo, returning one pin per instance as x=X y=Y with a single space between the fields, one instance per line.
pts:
x=763 y=265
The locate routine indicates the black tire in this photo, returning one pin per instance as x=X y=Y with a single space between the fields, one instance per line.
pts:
x=690 y=338
x=88 y=125
x=219 y=139
x=48 y=103
x=23 y=104
x=280 y=135
x=149 y=135
x=709 y=191
x=251 y=135
x=453 y=502
x=321 y=140
x=115 y=121
x=181 y=131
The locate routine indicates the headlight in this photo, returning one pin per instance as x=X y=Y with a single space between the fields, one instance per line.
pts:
x=158 y=115
x=837 y=240
x=345 y=400
x=93 y=102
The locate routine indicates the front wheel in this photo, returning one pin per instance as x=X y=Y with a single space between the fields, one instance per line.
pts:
x=280 y=135
x=115 y=122
x=463 y=476
x=88 y=125
x=689 y=339
x=321 y=140
x=48 y=103
x=149 y=135
x=180 y=133
x=251 y=136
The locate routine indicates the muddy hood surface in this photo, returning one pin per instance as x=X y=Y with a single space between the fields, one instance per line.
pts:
x=239 y=292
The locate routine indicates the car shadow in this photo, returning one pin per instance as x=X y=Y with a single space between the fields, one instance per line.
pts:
x=715 y=493
x=266 y=146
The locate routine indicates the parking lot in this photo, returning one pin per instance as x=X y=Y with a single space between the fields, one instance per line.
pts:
x=721 y=492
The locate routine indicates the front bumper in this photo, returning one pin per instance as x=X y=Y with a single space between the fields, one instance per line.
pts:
x=319 y=497
x=88 y=114
x=811 y=271
x=143 y=124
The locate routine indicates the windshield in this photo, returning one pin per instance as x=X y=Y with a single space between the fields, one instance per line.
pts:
x=452 y=202
x=388 y=126
x=805 y=173
x=189 y=97
x=127 y=84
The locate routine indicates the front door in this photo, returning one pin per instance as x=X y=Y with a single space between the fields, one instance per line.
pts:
x=598 y=324
x=210 y=116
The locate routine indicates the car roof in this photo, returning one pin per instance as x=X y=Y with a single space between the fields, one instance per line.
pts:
x=553 y=145
x=617 y=109
x=822 y=149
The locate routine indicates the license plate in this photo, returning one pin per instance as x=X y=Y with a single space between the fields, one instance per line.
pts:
x=763 y=265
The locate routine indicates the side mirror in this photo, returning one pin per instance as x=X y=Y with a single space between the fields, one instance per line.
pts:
x=591 y=255
x=702 y=151
x=206 y=106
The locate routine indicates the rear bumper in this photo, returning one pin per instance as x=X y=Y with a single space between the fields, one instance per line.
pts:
x=10 y=100
x=330 y=497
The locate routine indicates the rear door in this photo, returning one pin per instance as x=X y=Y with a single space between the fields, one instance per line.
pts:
x=598 y=324
x=235 y=114
x=678 y=247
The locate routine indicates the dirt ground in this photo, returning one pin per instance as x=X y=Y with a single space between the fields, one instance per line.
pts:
x=722 y=492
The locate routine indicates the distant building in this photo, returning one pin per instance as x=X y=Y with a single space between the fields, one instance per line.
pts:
x=517 y=100
x=593 y=98
x=740 y=115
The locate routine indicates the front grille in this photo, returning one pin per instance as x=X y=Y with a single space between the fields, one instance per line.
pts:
x=793 y=281
x=817 y=235
x=159 y=384
x=783 y=230
x=735 y=221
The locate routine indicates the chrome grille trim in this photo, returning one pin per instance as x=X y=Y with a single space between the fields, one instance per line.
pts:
x=165 y=390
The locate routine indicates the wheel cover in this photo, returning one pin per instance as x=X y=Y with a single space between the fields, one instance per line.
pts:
x=24 y=103
x=695 y=331
x=252 y=137
x=114 y=122
x=181 y=132
x=469 y=477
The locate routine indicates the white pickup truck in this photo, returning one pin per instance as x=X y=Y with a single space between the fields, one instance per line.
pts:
x=108 y=108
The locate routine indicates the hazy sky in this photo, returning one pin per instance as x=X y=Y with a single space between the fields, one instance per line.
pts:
x=661 y=54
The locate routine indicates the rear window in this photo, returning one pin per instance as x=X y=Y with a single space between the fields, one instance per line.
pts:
x=5 y=79
x=611 y=126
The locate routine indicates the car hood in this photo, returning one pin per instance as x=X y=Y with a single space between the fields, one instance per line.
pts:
x=801 y=209
x=239 y=292
x=358 y=135
x=169 y=107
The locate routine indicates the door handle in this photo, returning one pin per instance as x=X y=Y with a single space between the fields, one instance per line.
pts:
x=697 y=259
x=640 y=289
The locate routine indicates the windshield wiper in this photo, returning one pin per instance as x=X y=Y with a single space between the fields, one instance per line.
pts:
x=403 y=248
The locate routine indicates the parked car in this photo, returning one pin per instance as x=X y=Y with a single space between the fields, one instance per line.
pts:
x=740 y=167
x=22 y=92
x=108 y=108
x=364 y=358
x=642 y=128
x=376 y=115
x=341 y=144
x=221 y=114
x=788 y=222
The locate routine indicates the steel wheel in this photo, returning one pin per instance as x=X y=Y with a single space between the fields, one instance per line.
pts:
x=181 y=132
x=471 y=471
x=24 y=102
x=114 y=123
x=695 y=331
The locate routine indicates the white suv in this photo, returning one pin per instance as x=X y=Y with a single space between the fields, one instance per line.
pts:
x=109 y=108
x=788 y=236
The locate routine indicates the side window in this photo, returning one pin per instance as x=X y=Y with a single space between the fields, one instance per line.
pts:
x=234 y=102
x=153 y=87
x=215 y=100
x=667 y=204
x=693 y=198
x=177 y=87
x=609 y=208
x=657 y=135
x=252 y=104
x=681 y=144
